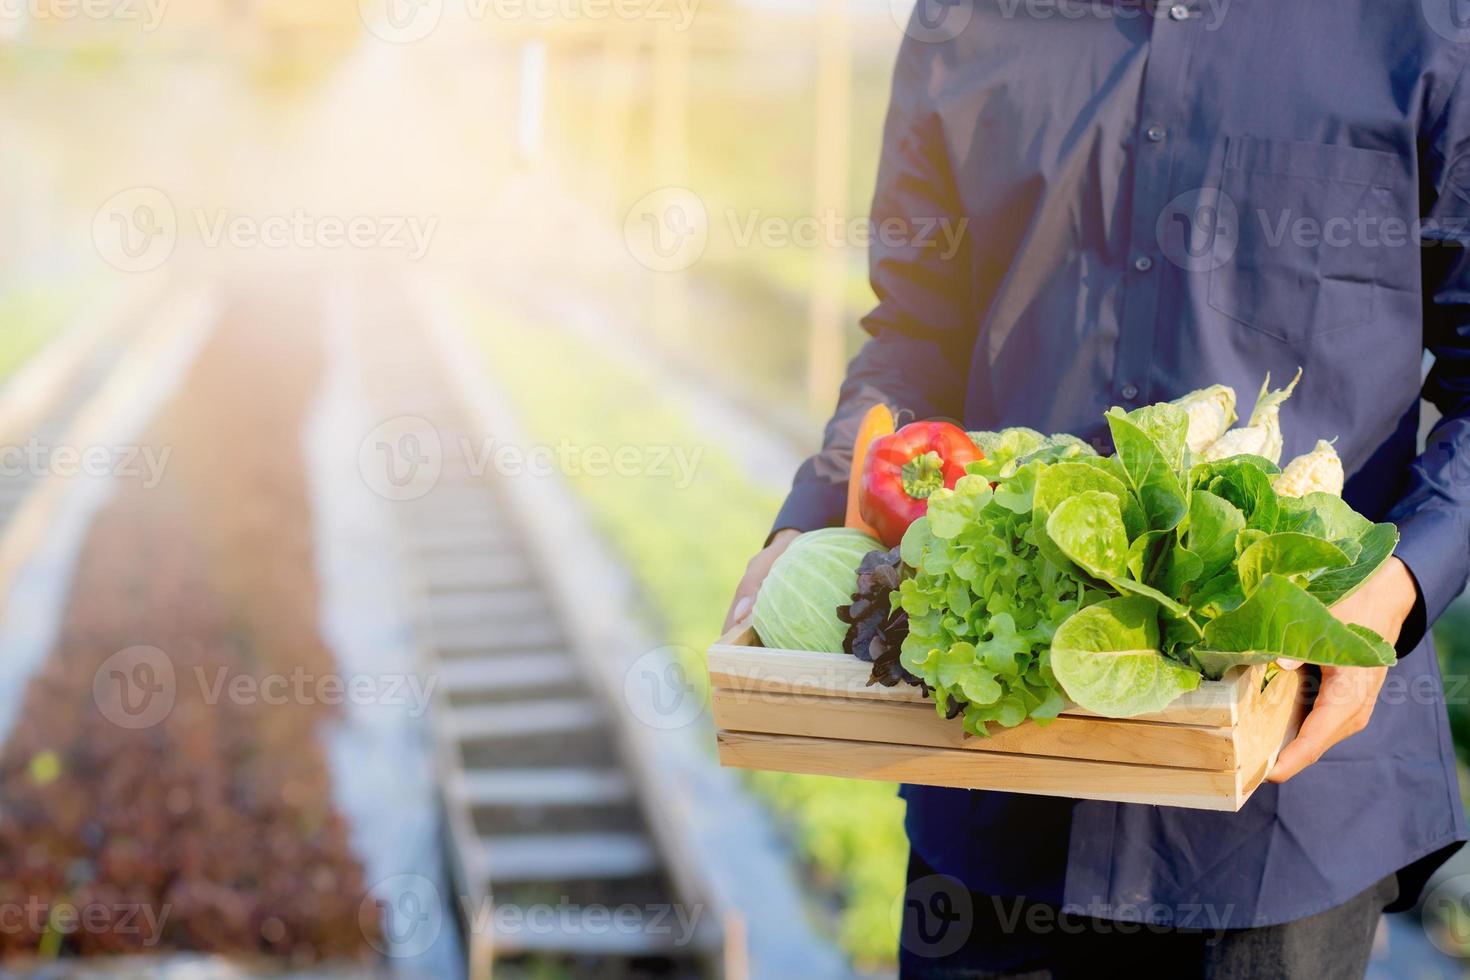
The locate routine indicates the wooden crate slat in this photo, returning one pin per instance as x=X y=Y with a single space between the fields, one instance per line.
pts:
x=752 y=668
x=1268 y=719
x=803 y=712
x=1078 y=778
x=1141 y=742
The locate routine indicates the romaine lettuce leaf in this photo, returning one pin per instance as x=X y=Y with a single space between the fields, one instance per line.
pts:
x=1281 y=619
x=1213 y=524
x=1059 y=482
x=1088 y=529
x=1244 y=481
x=1150 y=443
x=1375 y=547
x=1177 y=571
x=1288 y=553
x=1323 y=515
x=1007 y=450
x=1107 y=659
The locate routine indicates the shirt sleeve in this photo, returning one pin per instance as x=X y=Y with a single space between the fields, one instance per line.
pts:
x=1433 y=515
x=919 y=264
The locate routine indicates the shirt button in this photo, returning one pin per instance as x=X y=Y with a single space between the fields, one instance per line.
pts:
x=1130 y=392
x=1155 y=134
x=1179 y=12
x=1143 y=263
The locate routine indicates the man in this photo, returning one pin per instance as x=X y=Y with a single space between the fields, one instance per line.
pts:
x=1155 y=200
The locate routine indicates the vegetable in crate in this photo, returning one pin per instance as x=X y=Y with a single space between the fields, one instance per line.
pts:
x=903 y=469
x=796 y=608
x=1261 y=436
x=877 y=625
x=983 y=603
x=1008 y=450
x=1211 y=413
x=1317 y=471
x=1122 y=581
x=878 y=422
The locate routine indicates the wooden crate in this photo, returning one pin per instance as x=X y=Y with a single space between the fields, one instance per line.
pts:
x=793 y=711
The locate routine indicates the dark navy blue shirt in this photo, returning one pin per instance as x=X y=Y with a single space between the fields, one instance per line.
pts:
x=1152 y=201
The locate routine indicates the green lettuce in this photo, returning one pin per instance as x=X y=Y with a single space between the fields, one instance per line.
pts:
x=1107 y=659
x=1050 y=573
x=1281 y=619
x=1151 y=448
x=983 y=606
x=1008 y=450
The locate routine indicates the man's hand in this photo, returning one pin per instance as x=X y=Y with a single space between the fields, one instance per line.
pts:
x=1346 y=698
x=755 y=574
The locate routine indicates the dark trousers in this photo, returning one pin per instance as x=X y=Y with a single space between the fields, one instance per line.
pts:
x=950 y=932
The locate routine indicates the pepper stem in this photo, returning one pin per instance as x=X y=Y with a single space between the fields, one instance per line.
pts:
x=922 y=475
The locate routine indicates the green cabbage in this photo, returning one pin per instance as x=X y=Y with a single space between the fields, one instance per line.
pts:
x=796 y=608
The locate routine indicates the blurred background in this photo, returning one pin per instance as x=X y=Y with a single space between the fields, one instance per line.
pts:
x=391 y=394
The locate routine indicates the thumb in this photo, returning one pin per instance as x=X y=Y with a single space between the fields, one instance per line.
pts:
x=1286 y=663
x=742 y=607
x=739 y=609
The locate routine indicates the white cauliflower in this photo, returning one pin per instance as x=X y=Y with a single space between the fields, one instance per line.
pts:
x=1319 y=471
x=1211 y=412
x=1261 y=435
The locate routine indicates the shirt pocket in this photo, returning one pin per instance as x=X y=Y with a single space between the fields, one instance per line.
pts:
x=1305 y=261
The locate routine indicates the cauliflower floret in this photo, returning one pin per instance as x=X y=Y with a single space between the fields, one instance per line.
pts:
x=1319 y=471
x=1261 y=435
x=1251 y=439
x=1211 y=412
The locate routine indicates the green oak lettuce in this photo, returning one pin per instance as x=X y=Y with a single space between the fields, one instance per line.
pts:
x=983 y=606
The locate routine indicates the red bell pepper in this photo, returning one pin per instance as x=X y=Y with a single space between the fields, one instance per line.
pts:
x=904 y=468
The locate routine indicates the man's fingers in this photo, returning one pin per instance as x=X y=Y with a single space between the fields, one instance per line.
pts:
x=1319 y=732
x=750 y=584
x=739 y=606
x=755 y=574
x=739 y=609
x=1342 y=708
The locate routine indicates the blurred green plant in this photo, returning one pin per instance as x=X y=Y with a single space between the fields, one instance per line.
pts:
x=1452 y=641
x=686 y=547
x=29 y=316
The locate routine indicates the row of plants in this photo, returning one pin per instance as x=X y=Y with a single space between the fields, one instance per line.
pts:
x=135 y=784
x=849 y=833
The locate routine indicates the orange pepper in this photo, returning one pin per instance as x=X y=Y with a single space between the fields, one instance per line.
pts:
x=876 y=424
